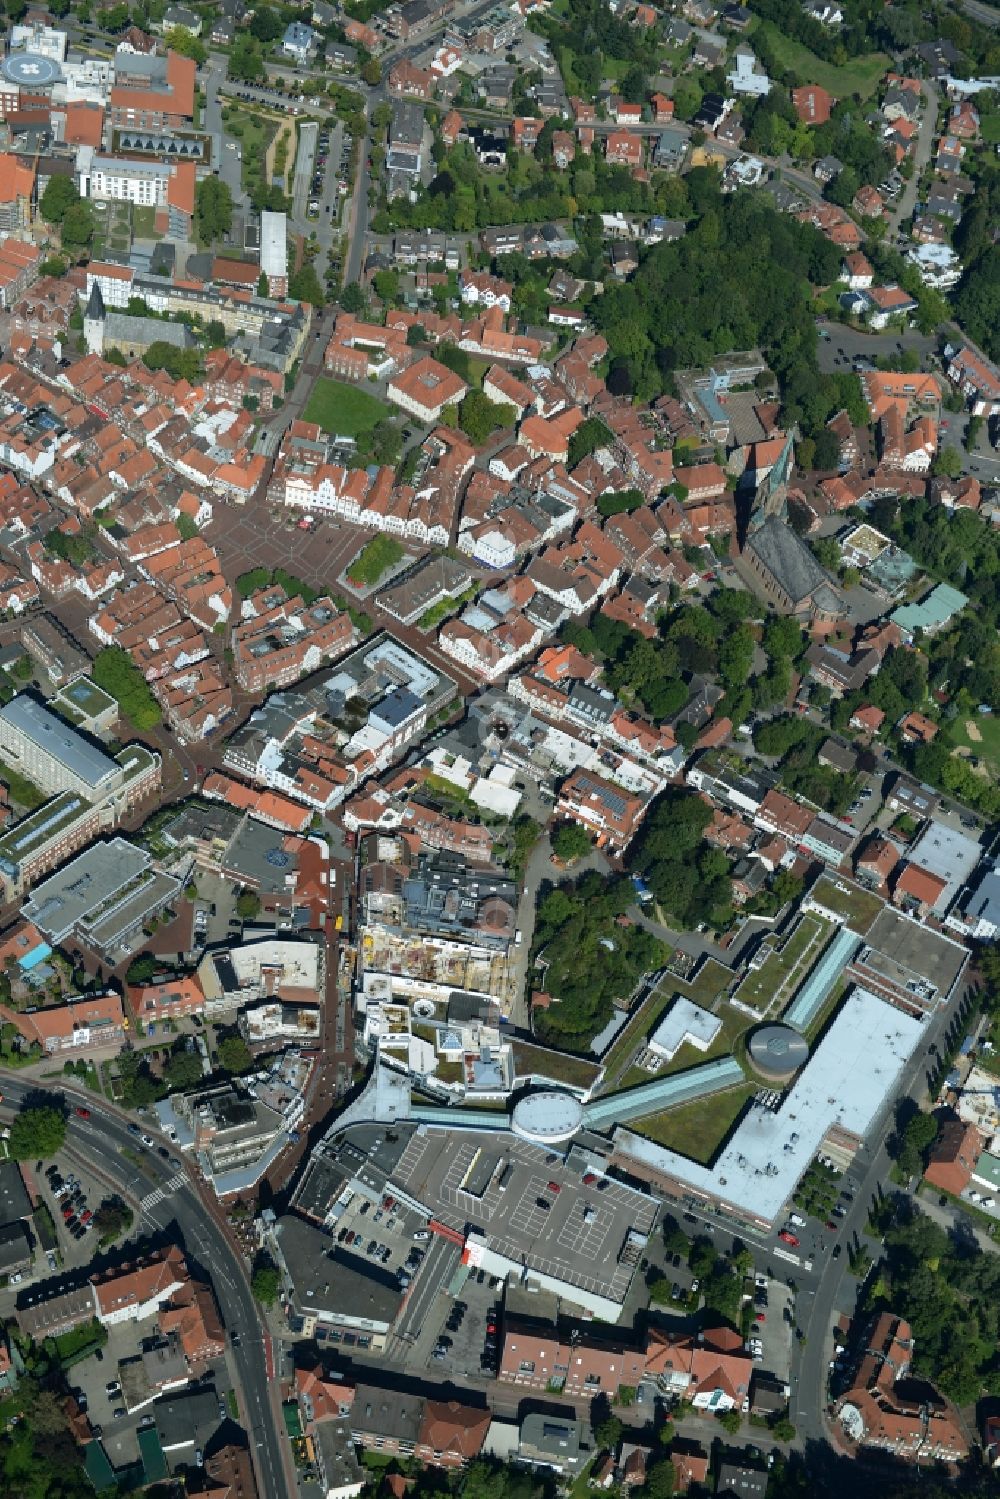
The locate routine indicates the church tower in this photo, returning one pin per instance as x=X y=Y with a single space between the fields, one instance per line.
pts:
x=93 y=322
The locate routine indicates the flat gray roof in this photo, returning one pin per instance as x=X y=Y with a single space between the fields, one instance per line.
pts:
x=57 y=738
x=328 y=1279
x=901 y=948
x=93 y=877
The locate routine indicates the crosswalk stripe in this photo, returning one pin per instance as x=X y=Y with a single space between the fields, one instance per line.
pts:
x=160 y=1193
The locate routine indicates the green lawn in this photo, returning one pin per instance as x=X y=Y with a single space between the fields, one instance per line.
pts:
x=22 y=791
x=987 y=747
x=696 y=1130
x=707 y=984
x=860 y=75
x=777 y=978
x=381 y=553
x=560 y=1066
x=345 y=410
x=735 y=1024
x=144 y=223
x=706 y=987
x=253 y=132
x=989 y=129
x=853 y=904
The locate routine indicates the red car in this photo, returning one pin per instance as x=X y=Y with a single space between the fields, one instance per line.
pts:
x=830 y=1225
x=82 y=1113
x=759 y=1317
x=554 y=1187
x=787 y=1238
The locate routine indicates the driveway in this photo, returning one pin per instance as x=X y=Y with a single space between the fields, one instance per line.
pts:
x=907 y=200
x=228 y=165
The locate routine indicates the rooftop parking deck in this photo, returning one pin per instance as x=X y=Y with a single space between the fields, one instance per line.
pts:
x=576 y=1233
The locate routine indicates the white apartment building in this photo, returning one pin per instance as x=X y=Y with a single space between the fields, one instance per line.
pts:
x=52 y=754
x=117 y=179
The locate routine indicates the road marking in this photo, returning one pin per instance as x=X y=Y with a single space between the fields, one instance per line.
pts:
x=160 y=1194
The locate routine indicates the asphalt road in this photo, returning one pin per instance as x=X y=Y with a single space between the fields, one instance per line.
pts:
x=360 y=211
x=907 y=200
x=986 y=15
x=102 y=1140
x=828 y=1293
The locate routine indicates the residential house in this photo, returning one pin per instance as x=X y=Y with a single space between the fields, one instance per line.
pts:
x=747 y=75
x=812 y=104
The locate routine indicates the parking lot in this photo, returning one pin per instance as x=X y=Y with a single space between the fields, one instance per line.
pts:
x=774 y=1314
x=535 y=1209
x=65 y=1185
x=383 y=1231
x=455 y=1322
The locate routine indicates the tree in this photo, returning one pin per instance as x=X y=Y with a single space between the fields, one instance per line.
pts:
x=247 y=905
x=917 y=1138
x=608 y=1432
x=112 y=1219
x=479 y=417
x=687 y=98
x=115 y=671
x=77 y=226
x=570 y=840
x=386 y=285
x=262 y=286
x=701 y=1257
x=266 y=1283
x=213 y=210
x=183 y=1069
x=141 y=969
x=38 y=1132
x=180 y=364
x=304 y=286
x=827 y=450
x=352 y=298
x=114 y=17
x=186 y=44
x=234 y=1054
x=59 y=195
x=265 y=24
x=48 y=1414
x=589 y=435
x=947 y=464
x=245 y=61
x=371 y=72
